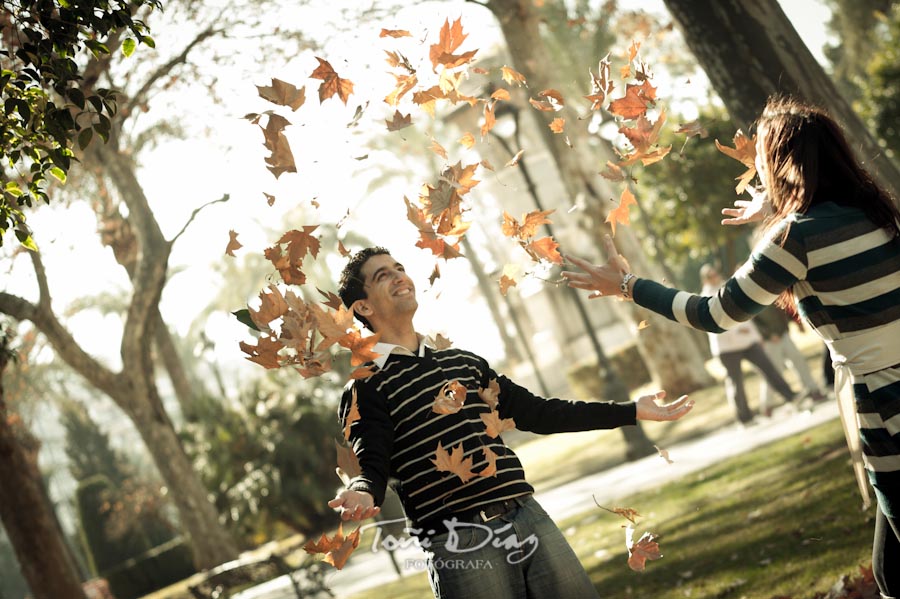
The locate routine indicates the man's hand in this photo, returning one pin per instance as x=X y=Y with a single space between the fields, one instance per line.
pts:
x=354 y=505
x=648 y=409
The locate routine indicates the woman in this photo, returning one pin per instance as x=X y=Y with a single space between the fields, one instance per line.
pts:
x=831 y=246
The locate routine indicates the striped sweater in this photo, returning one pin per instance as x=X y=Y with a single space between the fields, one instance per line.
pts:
x=845 y=275
x=397 y=432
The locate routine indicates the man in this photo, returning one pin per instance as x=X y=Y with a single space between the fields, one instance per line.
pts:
x=430 y=419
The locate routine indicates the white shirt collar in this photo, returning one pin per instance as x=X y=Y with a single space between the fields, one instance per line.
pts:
x=384 y=350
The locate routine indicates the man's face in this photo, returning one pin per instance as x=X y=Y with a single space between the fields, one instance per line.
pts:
x=389 y=290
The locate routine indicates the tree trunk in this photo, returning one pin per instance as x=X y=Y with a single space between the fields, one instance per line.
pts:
x=671 y=353
x=750 y=50
x=40 y=550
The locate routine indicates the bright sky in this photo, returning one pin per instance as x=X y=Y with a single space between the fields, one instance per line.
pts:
x=326 y=153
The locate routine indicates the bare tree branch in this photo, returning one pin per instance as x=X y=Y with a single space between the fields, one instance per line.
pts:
x=194 y=214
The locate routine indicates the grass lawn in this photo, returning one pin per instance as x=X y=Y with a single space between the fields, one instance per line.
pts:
x=782 y=521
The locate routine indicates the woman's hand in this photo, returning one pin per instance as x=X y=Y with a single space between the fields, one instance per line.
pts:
x=748 y=211
x=602 y=280
x=354 y=505
x=648 y=409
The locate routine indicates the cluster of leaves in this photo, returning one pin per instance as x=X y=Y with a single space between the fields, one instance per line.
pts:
x=46 y=104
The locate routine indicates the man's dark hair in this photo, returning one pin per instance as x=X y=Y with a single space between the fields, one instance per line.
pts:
x=350 y=288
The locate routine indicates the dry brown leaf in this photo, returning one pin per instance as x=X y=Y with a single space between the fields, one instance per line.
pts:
x=467 y=140
x=530 y=224
x=453 y=462
x=744 y=151
x=512 y=76
x=491 y=458
x=283 y=94
x=505 y=283
x=450 y=398
x=491 y=394
x=264 y=353
x=360 y=347
x=281 y=159
x=494 y=425
x=233 y=243
x=347 y=461
x=438 y=148
x=337 y=549
x=514 y=161
x=501 y=94
x=635 y=102
x=545 y=248
x=394 y=33
x=398 y=121
x=489 y=119
x=451 y=38
x=557 y=125
x=331 y=83
x=352 y=414
x=620 y=213
x=645 y=548
x=441 y=342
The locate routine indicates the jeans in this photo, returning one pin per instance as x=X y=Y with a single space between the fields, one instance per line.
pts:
x=886 y=554
x=520 y=554
x=734 y=381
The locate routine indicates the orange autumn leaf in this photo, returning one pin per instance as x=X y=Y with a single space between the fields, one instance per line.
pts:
x=300 y=243
x=264 y=353
x=395 y=33
x=601 y=84
x=692 y=128
x=490 y=395
x=512 y=76
x=272 y=305
x=438 y=149
x=620 y=213
x=643 y=325
x=337 y=549
x=347 y=462
x=233 y=243
x=491 y=458
x=404 y=84
x=451 y=38
x=331 y=83
x=290 y=272
x=500 y=94
x=530 y=224
x=467 y=140
x=283 y=94
x=628 y=513
x=612 y=172
x=489 y=119
x=545 y=248
x=505 y=283
x=344 y=252
x=635 y=102
x=352 y=414
x=332 y=300
x=363 y=372
x=440 y=341
x=332 y=325
x=281 y=159
x=664 y=454
x=494 y=425
x=642 y=136
x=557 y=125
x=360 y=347
x=744 y=151
x=645 y=548
x=453 y=462
x=450 y=398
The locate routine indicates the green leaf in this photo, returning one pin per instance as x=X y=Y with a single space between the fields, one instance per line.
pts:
x=26 y=240
x=148 y=40
x=128 y=46
x=13 y=189
x=84 y=138
x=58 y=173
x=77 y=97
x=244 y=317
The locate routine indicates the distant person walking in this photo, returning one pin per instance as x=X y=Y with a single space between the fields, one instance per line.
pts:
x=732 y=347
x=832 y=248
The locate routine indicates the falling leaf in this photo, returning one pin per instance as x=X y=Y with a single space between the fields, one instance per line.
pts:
x=501 y=94
x=272 y=305
x=264 y=353
x=438 y=148
x=505 y=283
x=643 y=325
x=514 y=161
x=480 y=71
x=486 y=164
x=612 y=172
x=692 y=128
x=281 y=159
x=405 y=82
x=332 y=325
x=394 y=33
x=628 y=513
x=233 y=243
x=331 y=83
x=642 y=136
x=333 y=301
x=467 y=140
x=344 y=252
x=269 y=198
x=635 y=102
x=646 y=548
x=633 y=50
x=491 y=458
x=489 y=119
x=442 y=342
x=494 y=425
x=363 y=372
x=620 y=213
x=337 y=549
x=347 y=461
x=491 y=394
x=512 y=76
x=745 y=152
x=557 y=125
x=545 y=248
x=664 y=454
x=601 y=84
x=453 y=462
x=352 y=414
x=435 y=274
x=398 y=121
x=530 y=224
x=450 y=398
x=360 y=347
x=451 y=38
x=283 y=94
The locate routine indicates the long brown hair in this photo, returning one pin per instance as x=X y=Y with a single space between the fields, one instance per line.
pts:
x=807 y=161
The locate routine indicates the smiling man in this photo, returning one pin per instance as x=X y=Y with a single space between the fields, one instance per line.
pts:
x=430 y=419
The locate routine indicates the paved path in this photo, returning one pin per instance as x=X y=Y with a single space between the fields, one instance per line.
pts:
x=367 y=569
